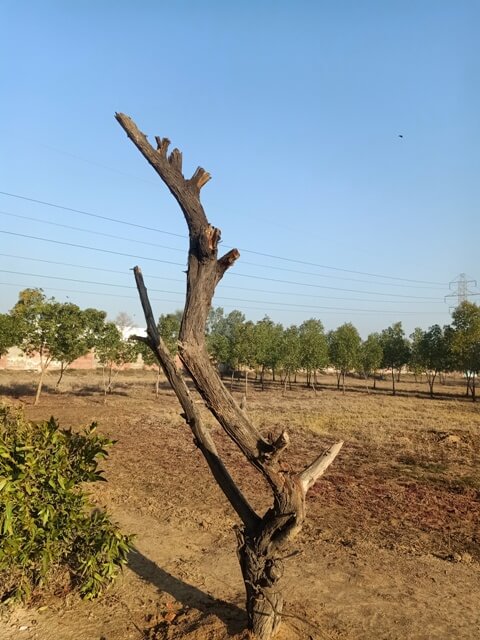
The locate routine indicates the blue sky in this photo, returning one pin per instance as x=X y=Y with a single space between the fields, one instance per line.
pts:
x=295 y=108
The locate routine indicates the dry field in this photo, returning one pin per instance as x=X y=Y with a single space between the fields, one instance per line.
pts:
x=391 y=549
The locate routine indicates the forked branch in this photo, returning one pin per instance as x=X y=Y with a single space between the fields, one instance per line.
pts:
x=191 y=413
x=260 y=539
x=317 y=468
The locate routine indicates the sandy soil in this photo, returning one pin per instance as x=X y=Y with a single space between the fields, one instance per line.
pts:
x=390 y=551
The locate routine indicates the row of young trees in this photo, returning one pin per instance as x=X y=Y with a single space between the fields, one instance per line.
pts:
x=265 y=345
x=63 y=332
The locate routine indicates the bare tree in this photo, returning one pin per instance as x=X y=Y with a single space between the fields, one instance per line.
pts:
x=262 y=540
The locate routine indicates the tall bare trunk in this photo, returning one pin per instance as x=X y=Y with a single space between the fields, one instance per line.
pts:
x=261 y=539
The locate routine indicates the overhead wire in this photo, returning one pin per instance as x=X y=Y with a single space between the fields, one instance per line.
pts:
x=262 y=308
x=235 y=273
x=176 y=249
x=94 y=232
x=222 y=284
x=259 y=253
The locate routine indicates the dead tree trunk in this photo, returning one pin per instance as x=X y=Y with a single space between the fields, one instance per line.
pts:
x=261 y=540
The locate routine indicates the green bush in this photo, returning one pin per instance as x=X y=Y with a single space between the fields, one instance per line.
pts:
x=46 y=520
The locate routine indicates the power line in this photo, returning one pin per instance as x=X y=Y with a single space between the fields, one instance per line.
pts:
x=235 y=273
x=267 y=255
x=222 y=284
x=82 y=246
x=160 y=246
x=96 y=233
x=326 y=309
x=92 y=215
x=323 y=266
x=84 y=266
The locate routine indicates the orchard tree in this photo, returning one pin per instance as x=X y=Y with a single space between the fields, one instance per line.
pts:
x=113 y=352
x=77 y=333
x=224 y=338
x=370 y=357
x=42 y=324
x=262 y=539
x=466 y=342
x=433 y=353
x=396 y=350
x=169 y=328
x=268 y=337
x=246 y=348
x=218 y=343
x=313 y=349
x=344 y=350
x=416 y=361
x=8 y=333
x=149 y=360
x=290 y=354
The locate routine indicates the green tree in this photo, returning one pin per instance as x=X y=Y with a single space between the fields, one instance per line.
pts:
x=169 y=328
x=396 y=350
x=40 y=322
x=113 y=352
x=245 y=347
x=78 y=331
x=225 y=338
x=313 y=349
x=46 y=517
x=290 y=354
x=8 y=333
x=370 y=357
x=344 y=349
x=466 y=342
x=415 y=363
x=267 y=337
x=218 y=342
x=150 y=360
x=433 y=353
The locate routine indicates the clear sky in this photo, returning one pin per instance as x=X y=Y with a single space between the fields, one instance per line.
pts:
x=342 y=137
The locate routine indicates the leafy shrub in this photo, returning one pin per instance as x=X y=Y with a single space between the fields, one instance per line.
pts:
x=46 y=520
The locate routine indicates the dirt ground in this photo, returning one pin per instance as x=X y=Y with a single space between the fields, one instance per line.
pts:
x=390 y=551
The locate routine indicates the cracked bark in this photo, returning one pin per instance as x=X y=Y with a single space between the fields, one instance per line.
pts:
x=262 y=540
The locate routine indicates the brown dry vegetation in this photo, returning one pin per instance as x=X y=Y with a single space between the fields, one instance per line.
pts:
x=391 y=548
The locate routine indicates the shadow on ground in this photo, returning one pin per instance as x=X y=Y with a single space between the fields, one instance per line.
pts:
x=232 y=616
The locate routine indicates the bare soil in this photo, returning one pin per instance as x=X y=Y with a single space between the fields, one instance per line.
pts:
x=391 y=549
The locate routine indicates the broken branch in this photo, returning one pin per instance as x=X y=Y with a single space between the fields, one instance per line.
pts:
x=317 y=468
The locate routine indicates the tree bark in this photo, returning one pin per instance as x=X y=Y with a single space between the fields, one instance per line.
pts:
x=63 y=368
x=261 y=539
x=43 y=368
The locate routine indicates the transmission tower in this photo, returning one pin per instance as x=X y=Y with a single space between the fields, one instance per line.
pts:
x=460 y=288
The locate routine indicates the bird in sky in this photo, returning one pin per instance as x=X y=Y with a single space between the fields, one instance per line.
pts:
x=400 y=135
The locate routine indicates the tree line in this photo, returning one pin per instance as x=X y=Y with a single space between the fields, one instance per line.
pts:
x=63 y=332
x=238 y=343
